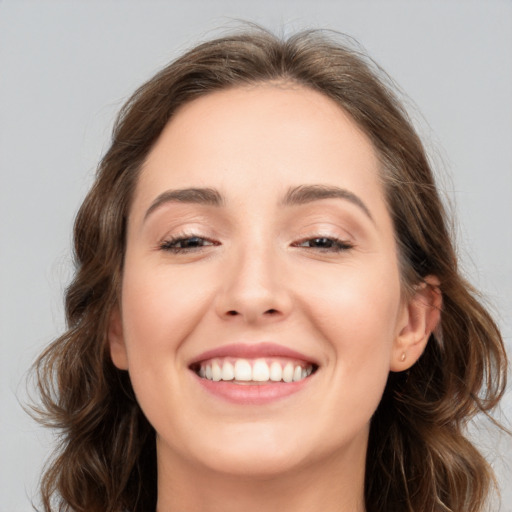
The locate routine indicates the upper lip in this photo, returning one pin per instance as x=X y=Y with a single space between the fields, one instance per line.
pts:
x=250 y=351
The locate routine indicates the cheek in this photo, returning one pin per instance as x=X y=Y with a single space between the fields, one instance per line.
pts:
x=355 y=304
x=356 y=313
x=160 y=309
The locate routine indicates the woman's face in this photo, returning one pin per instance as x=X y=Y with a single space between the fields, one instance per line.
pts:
x=260 y=252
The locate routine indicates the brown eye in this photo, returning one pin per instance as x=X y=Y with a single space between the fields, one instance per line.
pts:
x=325 y=244
x=186 y=243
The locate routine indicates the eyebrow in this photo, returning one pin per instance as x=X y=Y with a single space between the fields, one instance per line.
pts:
x=295 y=196
x=304 y=194
x=205 y=196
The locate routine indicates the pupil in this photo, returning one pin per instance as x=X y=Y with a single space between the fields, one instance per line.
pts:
x=322 y=242
x=192 y=242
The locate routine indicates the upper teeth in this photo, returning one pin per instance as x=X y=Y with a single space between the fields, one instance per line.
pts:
x=257 y=370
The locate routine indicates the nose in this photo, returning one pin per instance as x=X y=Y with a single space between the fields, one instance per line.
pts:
x=253 y=289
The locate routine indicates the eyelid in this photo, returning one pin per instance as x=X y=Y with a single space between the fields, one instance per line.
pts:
x=325 y=228
x=339 y=244
x=165 y=244
x=328 y=222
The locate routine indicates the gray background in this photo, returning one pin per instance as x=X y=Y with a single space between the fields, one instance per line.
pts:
x=67 y=66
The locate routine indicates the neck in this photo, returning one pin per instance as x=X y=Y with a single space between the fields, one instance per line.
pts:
x=327 y=485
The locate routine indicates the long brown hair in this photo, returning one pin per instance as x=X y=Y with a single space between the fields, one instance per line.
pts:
x=419 y=458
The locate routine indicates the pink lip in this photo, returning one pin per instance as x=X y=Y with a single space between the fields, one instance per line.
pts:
x=265 y=349
x=252 y=394
x=248 y=394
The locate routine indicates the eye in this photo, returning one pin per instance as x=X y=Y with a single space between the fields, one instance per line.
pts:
x=185 y=243
x=325 y=244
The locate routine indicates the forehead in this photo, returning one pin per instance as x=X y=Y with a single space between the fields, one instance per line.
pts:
x=264 y=137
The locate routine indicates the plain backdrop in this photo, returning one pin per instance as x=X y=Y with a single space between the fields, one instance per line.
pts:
x=65 y=69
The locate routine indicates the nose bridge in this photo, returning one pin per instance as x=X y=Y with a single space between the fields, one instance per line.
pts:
x=253 y=285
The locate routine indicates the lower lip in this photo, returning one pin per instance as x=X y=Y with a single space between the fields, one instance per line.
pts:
x=252 y=394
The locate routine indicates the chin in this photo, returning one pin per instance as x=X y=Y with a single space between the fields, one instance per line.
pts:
x=260 y=464
x=257 y=452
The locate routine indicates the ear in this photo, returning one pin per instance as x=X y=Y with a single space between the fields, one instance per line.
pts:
x=116 y=340
x=420 y=317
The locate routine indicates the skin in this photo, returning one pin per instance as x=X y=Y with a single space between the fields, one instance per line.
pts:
x=260 y=277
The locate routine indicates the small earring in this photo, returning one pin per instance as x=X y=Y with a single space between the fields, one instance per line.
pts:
x=403 y=357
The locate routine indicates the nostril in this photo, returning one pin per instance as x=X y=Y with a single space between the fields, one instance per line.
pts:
x=271 y=311
x=232 y=313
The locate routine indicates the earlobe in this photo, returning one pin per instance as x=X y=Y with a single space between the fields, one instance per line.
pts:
x=422 y=315
x=116 y=340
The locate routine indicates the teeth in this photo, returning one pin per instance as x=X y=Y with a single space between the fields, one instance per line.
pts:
x=228 y=372
x=258 y=370
x=243 y=370
x=276 y=372
x=287 y=372
x=216 y=371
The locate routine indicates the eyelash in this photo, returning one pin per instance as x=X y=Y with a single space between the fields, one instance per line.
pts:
x=336 y=244
x=172 y=245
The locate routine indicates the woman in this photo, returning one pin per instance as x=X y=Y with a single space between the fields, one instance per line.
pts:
x=267 y=312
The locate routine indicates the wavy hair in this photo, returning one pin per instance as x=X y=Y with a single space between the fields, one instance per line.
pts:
x=419 y=458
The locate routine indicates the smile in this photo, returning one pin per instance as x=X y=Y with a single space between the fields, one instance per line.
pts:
x=253 y=371
x=254 y=374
